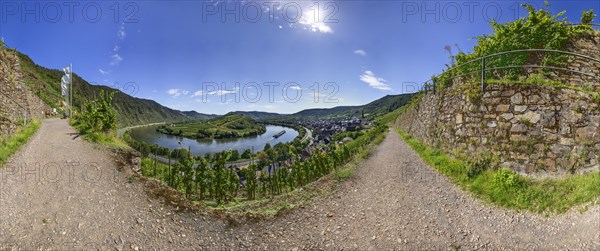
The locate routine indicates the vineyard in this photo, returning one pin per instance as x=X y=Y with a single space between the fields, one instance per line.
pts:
x=209 y=180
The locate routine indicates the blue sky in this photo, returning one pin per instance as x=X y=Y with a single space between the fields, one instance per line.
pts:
x=210 y=56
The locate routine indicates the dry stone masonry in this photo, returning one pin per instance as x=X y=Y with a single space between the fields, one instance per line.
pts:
x=16 y=99
x=533 y=129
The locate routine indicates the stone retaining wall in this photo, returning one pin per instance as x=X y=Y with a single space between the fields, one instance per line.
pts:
x=532 y=129
x=16 y=99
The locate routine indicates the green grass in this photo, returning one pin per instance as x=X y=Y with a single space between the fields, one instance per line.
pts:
x=505 y=188
x=11 y=145
x=110 y=140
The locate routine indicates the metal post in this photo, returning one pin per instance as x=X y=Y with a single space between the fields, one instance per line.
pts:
x=71 y=92
x=155 y=157
x=483 y=75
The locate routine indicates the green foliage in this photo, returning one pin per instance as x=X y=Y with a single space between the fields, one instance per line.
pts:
x=374 y=109
x=247 y=154
x=480 y=164
x=539 y=30
x=587 y=17
x=506 y=188
x=98 y=115
x=45 y=83
x=596 y=97
x=267 y=147
x=507 y=180
x=235 y=155
x=12 y=144
x=211 y=181
x=97 y=121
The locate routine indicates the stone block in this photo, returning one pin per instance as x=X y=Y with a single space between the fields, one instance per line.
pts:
x=566 y=141
x=518 y=128
x=531 y=117
x=517 y=99
x=502 y=108
x=507 y=116
x=458 y=118
x=588 y=133
x=520 y=108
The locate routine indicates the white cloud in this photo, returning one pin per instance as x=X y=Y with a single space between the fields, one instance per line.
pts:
x=218 y=92
x=308 y=19
x=121 y=33
x=224 y=92
x=295 y=87
x=177 y=92
x=360 y=52
x=116 y=59
x=117 y=47
x=197 y=94
x=103 y=72
x=374 y=81
x=280 y=27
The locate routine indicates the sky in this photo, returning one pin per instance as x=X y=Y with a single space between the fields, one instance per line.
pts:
x=275 y=56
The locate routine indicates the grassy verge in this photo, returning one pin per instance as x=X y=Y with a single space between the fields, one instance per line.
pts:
x=108 y=139
x=508 y=189
x=11 y=145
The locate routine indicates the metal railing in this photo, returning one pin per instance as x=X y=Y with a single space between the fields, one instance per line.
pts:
x=431 y=84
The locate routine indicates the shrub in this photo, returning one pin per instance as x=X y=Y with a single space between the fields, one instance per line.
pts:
x=506 y=179
x=98 y=116
x=539 y=30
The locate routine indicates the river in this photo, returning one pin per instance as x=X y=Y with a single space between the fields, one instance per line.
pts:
x=201 y=146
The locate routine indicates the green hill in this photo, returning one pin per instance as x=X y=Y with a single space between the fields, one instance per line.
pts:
x=45 y=83
x=231 y=125
x=260 y=116
x=374 y=109
x=199 y=116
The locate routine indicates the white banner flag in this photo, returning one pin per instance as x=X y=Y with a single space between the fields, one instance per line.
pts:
x=67 y=70
x=66 y=79
x=64 y=84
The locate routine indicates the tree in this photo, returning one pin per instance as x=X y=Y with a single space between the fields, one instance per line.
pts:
x=247 y=154
x=267 y=147
x=235 y=155
x=263 y=158
x=587 y=17
x=185 y=168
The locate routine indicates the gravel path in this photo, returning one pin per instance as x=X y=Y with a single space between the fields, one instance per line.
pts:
x=60 y=192
x=395 y=201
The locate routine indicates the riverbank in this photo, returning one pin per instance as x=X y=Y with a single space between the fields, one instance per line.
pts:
x=124 y=129
x=198 y=147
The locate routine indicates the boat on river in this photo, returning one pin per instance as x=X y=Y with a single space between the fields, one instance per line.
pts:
x=279 y=134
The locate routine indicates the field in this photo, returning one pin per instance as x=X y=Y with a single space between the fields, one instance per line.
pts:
x=231 y=125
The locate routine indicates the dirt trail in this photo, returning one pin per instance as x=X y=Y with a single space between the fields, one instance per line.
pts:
x=395 y=201
x=60 y=192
